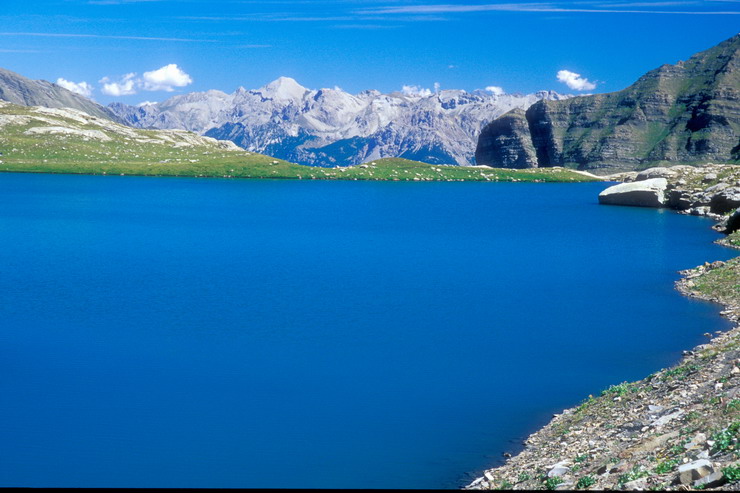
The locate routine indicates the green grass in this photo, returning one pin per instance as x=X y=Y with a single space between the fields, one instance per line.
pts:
x=125 y=151
x=722 y=282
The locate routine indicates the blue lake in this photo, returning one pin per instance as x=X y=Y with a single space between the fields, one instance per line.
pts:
x=159 y=332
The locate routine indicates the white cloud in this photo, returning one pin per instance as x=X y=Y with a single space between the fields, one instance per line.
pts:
x=124 y=87
x=575 y=81
x=496 y=90
x=436 y=87
x=416 y=91
x=81 y=88
x=146 y=103
x=165 y=79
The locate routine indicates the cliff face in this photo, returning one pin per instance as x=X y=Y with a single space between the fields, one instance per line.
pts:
x=688 y=112
x=509 y=144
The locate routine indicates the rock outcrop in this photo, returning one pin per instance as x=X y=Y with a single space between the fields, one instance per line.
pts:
x=645 y=193
x=688 y=112
x=16 y=89
x=509 y=145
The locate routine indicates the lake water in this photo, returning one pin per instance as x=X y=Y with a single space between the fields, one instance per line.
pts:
x=159 y=332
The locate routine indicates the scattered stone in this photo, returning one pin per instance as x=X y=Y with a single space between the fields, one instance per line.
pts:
x=657 y=172
x=698 y=440
x=712 y=480
x=690 y=472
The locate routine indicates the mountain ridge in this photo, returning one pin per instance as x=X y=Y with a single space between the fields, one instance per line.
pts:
x=688 y=112
x=332 y=127
x=20 y=90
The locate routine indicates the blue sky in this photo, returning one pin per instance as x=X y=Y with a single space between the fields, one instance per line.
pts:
x=149 y=50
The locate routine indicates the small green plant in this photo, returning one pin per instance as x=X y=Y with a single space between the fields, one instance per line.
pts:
x=679 y=373
x=635 y=473
x=585 y=404
x=585 y=482
x=523 y=476
x=723 y=438
x=505 y=485
x=692 y=416
x=621 y=389
x=731 y=474
x=582 y=458
x=553 y=482
x=666 y=466
x=733 y=405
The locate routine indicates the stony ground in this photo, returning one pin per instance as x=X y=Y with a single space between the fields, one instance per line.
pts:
x=678 y=429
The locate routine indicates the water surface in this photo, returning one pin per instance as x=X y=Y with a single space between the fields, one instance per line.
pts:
x=160 y=332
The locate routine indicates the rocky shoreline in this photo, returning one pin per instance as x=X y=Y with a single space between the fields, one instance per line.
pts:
x=679 y=428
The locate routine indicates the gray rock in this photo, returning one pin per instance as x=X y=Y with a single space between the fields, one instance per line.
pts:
x=733 y=222
x=657 y=172
x=725 y=200
x=646 y=193
x=688 y=473
x=718 y=187
x=637 y=484
x=559 y=469
x=709 y=177
x=711 y=481
x=698 y=440
x=679 y=199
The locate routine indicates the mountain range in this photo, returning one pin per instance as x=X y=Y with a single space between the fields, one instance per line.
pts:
x=683 y=113
x=332 y=127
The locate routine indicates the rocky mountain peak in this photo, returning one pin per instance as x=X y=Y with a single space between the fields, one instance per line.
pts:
x=331 y=126
x=284 y=89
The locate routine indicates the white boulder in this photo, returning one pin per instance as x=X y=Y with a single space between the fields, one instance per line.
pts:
x=645 y=193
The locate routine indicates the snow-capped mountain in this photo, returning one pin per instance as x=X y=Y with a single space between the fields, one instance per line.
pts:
x=332 y=127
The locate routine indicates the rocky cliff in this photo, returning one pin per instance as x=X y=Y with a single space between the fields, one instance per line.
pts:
x=16 y=89
x=687 y=113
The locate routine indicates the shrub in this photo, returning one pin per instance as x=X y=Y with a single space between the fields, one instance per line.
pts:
x=666 y=466
x=585 y=482
x=552 y=483
x=731 y=474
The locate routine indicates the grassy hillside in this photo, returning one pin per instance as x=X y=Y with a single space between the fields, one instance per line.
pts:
x=46 y=140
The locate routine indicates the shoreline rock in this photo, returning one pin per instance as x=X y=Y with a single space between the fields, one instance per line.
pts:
x=645 y=193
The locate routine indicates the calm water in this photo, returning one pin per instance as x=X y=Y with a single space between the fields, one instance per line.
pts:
x=223 y=333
